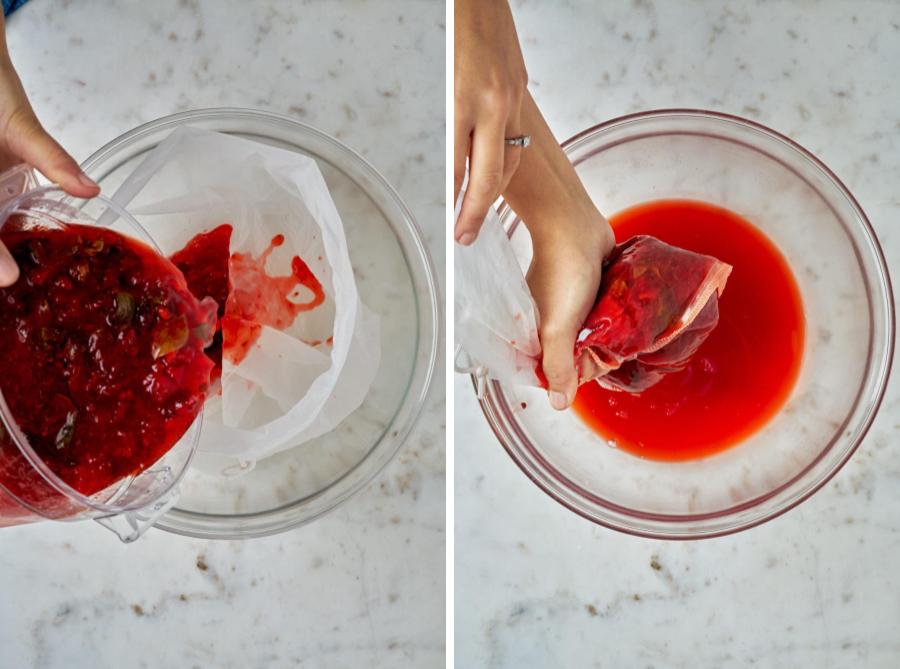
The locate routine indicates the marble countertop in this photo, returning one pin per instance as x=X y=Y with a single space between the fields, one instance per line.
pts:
x=537 y=586
x=363 y=586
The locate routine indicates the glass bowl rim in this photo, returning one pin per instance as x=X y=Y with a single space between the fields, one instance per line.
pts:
x=286 y=516
x=879 y=369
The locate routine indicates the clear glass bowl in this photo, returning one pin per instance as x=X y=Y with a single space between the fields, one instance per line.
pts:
x=841 y=272
x=395 y=279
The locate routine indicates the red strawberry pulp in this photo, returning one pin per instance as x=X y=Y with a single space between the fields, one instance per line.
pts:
x=248 y=296
x=101 y=347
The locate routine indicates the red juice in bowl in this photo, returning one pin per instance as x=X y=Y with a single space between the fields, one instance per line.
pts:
x=744 y=371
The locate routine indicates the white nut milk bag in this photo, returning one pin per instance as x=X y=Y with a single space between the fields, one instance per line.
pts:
x=295 y=383
x=496 y=320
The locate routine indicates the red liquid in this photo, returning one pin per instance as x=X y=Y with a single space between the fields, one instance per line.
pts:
x=742 y=373
x=259 y=299
x=204 y=263
x=101 y=352
x=247 y=295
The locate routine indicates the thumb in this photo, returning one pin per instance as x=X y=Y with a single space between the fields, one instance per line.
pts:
x=9 y=270
x=559 y=367
x=29 y=141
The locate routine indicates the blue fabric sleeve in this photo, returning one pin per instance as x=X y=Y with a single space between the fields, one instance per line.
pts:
x=9 y=6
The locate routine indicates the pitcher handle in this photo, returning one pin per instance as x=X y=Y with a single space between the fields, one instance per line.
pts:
x=131 y=525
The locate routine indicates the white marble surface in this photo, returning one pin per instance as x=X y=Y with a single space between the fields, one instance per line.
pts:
x=365 y=585
x=537 y=586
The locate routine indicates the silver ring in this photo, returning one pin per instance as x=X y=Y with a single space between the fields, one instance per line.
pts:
x=521 y=140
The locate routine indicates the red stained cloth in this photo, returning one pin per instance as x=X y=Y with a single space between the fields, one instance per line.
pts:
x=655 y=307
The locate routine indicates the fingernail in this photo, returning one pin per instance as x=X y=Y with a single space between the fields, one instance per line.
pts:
x=85 y=180
x=558 y=401
x=466 y=238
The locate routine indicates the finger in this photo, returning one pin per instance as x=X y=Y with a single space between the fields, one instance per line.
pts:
x=30 y=142
x=9 y=270
x=485 y=178
x=559 y=366
x=511 y=160
x=462 y=138
x=512 y=155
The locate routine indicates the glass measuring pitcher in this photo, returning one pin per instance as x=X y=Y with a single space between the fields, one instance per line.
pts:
x=29 y=490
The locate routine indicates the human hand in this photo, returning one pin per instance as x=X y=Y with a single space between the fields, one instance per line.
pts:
x=489 y=84
x=564 y=278
x=23 y=139
x=570 y=238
